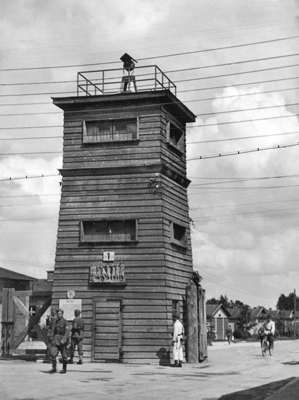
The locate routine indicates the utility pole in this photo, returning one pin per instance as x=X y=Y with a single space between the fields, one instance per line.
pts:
x=295 y=306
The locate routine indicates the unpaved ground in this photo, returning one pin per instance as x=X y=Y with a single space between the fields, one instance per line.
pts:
x=229 y=369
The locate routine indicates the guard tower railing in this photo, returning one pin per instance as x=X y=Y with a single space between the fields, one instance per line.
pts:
x=111 y=81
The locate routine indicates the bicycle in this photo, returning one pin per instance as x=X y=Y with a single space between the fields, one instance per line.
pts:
x=266 y=345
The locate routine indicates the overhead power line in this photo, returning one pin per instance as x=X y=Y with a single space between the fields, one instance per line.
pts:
x=247 y=109
x=239 y=62
x=187 y=101
x=164 y=103
x=232 y=63
x=238 y=84
x=234 y=180
x=31 y=138
x=176 y=81
x=17 y=178
x=180 y=91
x=242 y=137
x=30 y=153
x=154 y=57
x=238 y=152
x=192 y=126
x=236 y=73
x=188 y=143
x=243 y=121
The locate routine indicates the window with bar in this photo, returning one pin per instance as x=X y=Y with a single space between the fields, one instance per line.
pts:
x=119 y=130
x=175 y=137
x=109 y=230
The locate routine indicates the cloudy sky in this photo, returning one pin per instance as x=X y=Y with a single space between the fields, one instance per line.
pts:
x=244 y=208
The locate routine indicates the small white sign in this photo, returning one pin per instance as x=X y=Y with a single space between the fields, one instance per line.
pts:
x=69 y=306
x=108 y=256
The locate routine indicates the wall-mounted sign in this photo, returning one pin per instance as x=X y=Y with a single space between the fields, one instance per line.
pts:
x=69 y=306
x=108 y=255
x=107 y=273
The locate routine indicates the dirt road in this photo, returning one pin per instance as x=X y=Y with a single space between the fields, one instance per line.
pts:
x=229 y=368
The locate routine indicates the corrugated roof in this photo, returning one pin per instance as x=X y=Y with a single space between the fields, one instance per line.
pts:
x=9 y=274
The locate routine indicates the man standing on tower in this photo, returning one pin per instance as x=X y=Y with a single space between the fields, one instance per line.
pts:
x=77 y=337
x=178 y=338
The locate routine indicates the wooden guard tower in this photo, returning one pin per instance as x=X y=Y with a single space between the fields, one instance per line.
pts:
x=123 y=243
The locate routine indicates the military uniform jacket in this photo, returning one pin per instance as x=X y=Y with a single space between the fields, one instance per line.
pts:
x=60 y=332
x=77 y=328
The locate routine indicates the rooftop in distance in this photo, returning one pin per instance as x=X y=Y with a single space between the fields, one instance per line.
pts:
x=127 y=79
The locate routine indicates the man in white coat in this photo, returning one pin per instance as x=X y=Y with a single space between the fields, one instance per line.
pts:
x=177 y=341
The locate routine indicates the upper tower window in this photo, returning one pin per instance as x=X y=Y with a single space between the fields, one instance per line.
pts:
x=103 y=131
x=175 y=137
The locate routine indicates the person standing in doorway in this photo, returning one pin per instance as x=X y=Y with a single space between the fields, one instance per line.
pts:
x=77 y=337
x=178 y=338
x=60 y=335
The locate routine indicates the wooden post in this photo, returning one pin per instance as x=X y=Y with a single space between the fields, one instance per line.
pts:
x=295 y=306
x=8 y=312
x=192 y=349
x=202 y=325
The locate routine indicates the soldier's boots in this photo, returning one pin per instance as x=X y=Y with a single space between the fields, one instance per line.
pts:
x=54 y=369
x=63 y=371
x=80 y=362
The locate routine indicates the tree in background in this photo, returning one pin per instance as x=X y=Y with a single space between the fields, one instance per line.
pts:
x=287 y=302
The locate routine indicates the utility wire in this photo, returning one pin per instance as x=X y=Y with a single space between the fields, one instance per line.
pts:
x=29 y=153
x=236 y=73
x=188 y=143
x=17 y=178
x=149 y=105
x=246 y=109
x=177 y=81
x=242 y=137
x=224 y=182
x=235 y=153
x=180 y=91
x=31 y=138
x=187 y=101
x=167 y=71
x=153 y=57
x=238 y=84
x=242 y=121
x=232 y=63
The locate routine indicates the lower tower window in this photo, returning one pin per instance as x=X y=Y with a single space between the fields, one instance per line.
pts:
x=109 y=230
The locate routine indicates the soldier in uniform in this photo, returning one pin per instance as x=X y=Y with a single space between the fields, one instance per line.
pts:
x=178 y=338
x=59 y=336
x=49 y=330
x=77 y=337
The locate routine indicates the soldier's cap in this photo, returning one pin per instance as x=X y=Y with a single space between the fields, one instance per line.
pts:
x=77 y=312
x=60 y=310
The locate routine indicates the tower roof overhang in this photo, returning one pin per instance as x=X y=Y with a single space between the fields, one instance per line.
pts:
x=163 y=98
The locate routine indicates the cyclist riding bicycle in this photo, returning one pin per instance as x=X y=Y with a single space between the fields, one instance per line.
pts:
x=269 y=330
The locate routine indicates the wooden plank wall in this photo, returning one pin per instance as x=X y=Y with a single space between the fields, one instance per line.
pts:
x=146 y=315
x=144 y=151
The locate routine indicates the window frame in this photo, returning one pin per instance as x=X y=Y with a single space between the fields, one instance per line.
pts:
x=177 y=149
x=87 y=141
x=181 y=243
x=83 y=240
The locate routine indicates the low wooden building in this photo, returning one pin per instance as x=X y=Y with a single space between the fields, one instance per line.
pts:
x=123 y=247
x=217 y=321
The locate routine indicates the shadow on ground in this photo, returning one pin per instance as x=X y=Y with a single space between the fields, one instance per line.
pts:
x=258 y=392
